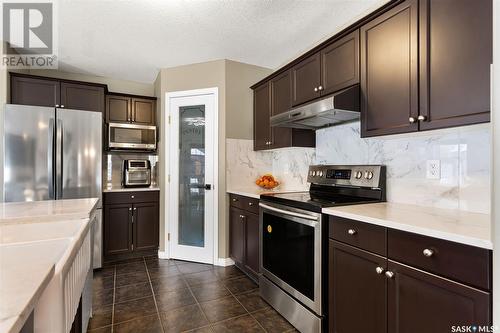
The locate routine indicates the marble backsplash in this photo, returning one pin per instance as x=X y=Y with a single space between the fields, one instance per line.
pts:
x=464 y=154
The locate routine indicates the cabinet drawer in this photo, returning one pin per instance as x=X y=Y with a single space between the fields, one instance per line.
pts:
x=131 y=197
x=251 y=205
x=237 y=201
x=363 y=235
x=463 y=263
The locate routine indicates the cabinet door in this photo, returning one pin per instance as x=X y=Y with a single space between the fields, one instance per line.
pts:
x=237 y=235
x=82 y=97
x=146 y=224
x=32 y=91
x=252 y=242
x=421 y=302
x=389 y=77
x=306 y=80
x=262 y=113
x=340 y=64
x=281 y=102
x=143 y=111
x=118 y=109
x=117 y=229
x=357 y=297
x=455 y=57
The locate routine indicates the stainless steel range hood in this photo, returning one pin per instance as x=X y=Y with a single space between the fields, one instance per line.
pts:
x=339 y=108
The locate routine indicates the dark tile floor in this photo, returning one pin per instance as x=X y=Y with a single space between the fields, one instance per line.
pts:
x=150 y=295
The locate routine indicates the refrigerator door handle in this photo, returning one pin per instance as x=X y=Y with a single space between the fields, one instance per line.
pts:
x=59 y=159
x=51 y=159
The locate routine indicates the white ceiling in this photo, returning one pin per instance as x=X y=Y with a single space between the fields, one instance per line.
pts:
x=133 y=39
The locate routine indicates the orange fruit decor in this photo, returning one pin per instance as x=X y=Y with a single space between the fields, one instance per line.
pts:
x=267 y=181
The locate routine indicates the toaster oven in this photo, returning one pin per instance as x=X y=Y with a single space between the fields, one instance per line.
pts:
x=136 y=173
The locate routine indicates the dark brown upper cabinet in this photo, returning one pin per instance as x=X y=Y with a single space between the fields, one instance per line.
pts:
x=143 y=111
x=270 y=99
x=34 y=91
x=422 y=302
x=389 y=72
x=357 y=298
x=455 y=57
x=262 y=114
x=306 y=80
x=82 y=97
x=340 y=64
x=130 y=109
x=41 y=91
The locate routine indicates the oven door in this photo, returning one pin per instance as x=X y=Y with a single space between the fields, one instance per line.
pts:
x=290 y=251
x=131 y=136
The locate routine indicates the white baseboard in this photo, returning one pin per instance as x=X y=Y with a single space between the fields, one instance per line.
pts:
x=224 y=262
x=162 y=255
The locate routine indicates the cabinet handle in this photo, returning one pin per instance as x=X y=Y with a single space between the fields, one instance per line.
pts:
x=315 y=89
x=422 y=118
x=389 y=274
x=250 y=203
x=235 y=200
x=62 y=105
x=379 y=270
x=412 y=120
x=130 y=208
x=135 y=208
x=428 y=253
x=57 y=105
x=320 y=88
x=242 y=216
x=352 y=232
x=132 y=197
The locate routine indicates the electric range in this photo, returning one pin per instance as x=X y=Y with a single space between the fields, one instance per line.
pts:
x=294 y=239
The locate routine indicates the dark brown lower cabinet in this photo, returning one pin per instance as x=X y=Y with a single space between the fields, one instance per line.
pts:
x=131 y=222
x=117 y=229
x=422 y=302
x=244 y=234
x=357 y=291
x=146 y=233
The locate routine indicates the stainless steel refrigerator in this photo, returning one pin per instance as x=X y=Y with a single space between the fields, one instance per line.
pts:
x=53 y=153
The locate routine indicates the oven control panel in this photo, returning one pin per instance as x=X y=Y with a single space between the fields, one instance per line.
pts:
x=372 y=176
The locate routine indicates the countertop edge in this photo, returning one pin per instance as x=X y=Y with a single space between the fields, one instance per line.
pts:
x=20 y=319
x=466 y=240
x=129 y=189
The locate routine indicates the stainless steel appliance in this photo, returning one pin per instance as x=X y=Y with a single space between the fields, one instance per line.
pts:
x=136 y=173
x=52 y=153
x=339 y=108
x=293 y=239
x=131 y=136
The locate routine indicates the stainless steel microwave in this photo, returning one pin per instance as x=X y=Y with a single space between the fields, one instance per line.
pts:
x=131 y=136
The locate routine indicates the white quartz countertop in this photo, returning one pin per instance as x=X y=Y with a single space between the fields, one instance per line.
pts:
x=46 y=211
x=37 y=239
x=255 y=192
x=130 y=189
x=453 y=225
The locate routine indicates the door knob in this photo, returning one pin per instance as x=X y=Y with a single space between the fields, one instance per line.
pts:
x=208 y=187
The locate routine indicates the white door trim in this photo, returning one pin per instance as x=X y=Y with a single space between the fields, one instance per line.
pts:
x=166 y=151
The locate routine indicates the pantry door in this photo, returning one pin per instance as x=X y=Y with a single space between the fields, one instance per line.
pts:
x=193 y=199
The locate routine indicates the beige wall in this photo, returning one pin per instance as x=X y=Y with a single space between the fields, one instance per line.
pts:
x=233 y=80
x=239 y=98
x=114 y=85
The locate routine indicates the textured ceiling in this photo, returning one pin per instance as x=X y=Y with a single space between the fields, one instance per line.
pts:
x=133 y=39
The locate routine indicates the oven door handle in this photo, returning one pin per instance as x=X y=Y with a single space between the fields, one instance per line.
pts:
x=287 y=212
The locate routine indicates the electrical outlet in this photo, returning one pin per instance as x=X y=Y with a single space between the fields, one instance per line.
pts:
x=433 y=169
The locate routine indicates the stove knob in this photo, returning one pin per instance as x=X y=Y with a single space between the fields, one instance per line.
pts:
x=370 y=175
x=320 y=173
x=358 y=175
x=314 y=173
x=366 y=174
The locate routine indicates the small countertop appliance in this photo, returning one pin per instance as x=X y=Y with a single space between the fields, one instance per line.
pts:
x=136 y=173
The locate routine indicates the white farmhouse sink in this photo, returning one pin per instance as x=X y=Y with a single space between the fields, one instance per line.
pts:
x=31 y=232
